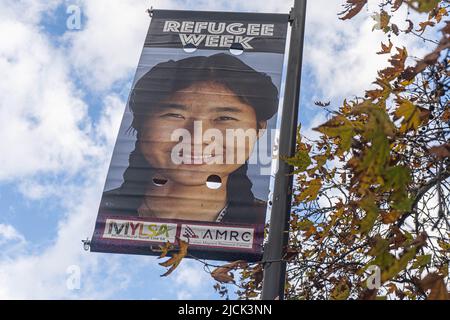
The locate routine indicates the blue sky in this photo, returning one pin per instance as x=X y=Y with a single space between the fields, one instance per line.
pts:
x=60 y=110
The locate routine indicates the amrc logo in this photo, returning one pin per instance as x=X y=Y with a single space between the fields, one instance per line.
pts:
x=222 y=236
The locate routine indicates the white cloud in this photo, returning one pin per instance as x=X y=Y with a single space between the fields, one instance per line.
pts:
x=43 y=120
x=25 y=11
x=9 y=233
x=342 y=55
x=109 y=46
x=191 y=275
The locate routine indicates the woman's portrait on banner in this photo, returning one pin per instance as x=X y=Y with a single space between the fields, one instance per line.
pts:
x=196 y=122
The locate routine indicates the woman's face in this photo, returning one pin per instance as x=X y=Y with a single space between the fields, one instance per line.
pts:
x=207 y=105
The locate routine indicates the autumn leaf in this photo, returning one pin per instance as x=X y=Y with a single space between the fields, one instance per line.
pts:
x=410 y=26
x=382 y=94
x=395 y=29
x=301 y=161
x=165 y=249
x=397 y=65
x=422 y=261
x=412 y=115
x=352 y=8
x=341 y=291
x=398 y=265
x=339 y=127
x=223 y=274
x=432 y=57
x=445 y=246
x=176 y=258
x=311 y=191
x=391 y=217
x=307 y=226
x=372 y=212
x=424 y=25
x=397 y=4
x=382 y=21
x=446 y=115
x=439 y=14
x=396 y=180
x=441 y=152
x=385 y=48
x=397 y=177
x=436 y=284
x=423 y=5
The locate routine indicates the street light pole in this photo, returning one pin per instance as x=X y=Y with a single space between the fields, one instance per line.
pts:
x=274 y=268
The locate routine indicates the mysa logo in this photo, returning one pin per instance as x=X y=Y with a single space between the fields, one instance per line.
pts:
x=140 y=230
x=231 y=237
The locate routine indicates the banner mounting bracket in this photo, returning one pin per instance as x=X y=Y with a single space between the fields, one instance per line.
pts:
x=150 y=12
x=291 y=17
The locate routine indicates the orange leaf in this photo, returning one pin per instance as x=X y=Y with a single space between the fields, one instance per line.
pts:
x=176 y=258
x=165 y=249
x=385 y=48
x=352 y=8
x=424 y=25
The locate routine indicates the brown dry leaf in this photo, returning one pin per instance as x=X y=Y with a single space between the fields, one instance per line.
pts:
x=368 y=294
x=385 y=48
x=446 y=115
x=410 y=26
x=432 y=57
x=398 y=65
x=391 y=217
x=395 y=29
x=223 y=275
x=424 y=25
x=165 y=249
x=440 y=14
x=436 y=283
x=397 y=4
x=352 y=8
x=441 y=152
x=176 y=258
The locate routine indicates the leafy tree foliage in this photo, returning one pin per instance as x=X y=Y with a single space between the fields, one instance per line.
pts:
x=370 y=216
x=372 y=193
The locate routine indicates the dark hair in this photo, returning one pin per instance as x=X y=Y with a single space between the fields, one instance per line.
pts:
x=250 y=86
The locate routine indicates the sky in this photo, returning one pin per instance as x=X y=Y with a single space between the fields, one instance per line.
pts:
x=62 y=96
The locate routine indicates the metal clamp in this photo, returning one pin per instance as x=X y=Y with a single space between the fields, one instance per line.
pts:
x=291 y=17
x=86 y=244
x=150 y=12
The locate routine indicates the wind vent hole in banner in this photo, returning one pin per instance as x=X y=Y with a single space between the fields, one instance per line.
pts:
x=189 y=48
x=236 y=49
x=214 y=182
x=159 y=181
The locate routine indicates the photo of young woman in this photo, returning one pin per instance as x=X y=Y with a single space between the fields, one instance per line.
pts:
x=220 y=92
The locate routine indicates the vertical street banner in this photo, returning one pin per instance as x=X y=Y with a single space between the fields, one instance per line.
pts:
x=193 y=158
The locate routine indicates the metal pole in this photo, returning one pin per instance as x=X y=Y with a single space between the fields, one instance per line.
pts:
x=275 y=269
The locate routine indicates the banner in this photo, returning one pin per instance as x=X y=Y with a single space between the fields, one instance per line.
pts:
x=193 y=157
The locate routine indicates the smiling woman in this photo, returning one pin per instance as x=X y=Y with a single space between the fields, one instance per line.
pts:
x=219 y=93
